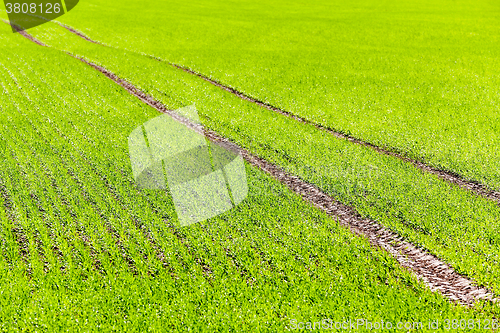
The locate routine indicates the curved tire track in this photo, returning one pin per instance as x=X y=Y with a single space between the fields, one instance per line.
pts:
x=449 y=176
x=435 y=273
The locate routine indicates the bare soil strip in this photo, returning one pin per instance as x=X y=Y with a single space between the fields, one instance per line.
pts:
x=40 y=250
x=55 y=248
x=438 y=275
x=23 y=245
x=109 y=228
x=244 y=273
x=78 y=33
x=25 y=34
x=450 y=176
x=136 y=221
x=94 y=254
x=72 y=213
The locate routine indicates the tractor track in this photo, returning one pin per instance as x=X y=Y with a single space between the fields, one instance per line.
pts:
x=435 y=273
x=24 y=33
x=449 y=176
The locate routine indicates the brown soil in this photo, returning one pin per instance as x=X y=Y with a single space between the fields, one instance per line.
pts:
x=78 y=33
x=23 y=245
x=476 y=187
x=25 y=34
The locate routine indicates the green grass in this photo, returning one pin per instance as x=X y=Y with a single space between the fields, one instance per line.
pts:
x=66 y=182
x=419 y=77
x=451 y=223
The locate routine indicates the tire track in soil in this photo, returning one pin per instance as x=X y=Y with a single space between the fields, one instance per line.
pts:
x=24 y=33
x=449 y=176
x=435 y=273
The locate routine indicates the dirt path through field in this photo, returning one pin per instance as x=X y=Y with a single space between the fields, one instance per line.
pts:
x=473 y=186
x=434 y=272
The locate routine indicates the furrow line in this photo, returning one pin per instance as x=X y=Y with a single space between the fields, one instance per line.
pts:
x=147 y=234
x=205 y=267
x=232 y=259
x=23 y=245
x=449 y=176
x=17 y=230
x=94 y=254
x=86 y=195
x=19 y=233
x=66 y=205
x=79 y=34
x=119 y=200
x=41 y=252
x=8 y=205
x=50 y=231
x=107 y=225
x=435 y=273
x=86 y=240
x=244 y=273
x=139 y=225
x=24 y=33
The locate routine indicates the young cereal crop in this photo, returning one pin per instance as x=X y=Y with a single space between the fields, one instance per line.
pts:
x=451 y=223
x=84 y=248
x=93 y=252
x=418 y=77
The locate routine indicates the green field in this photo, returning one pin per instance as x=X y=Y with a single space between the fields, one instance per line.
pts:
x=419 y=77
x=82 y=248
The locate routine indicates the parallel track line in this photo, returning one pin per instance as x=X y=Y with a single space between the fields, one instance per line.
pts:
x=434 y=272
x=449 y=176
